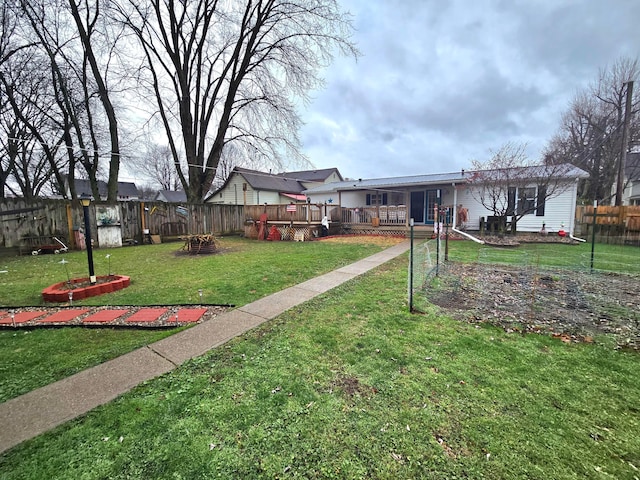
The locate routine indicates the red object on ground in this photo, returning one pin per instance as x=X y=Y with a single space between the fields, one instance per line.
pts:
x=59 y=292
x=22 y=317
x=190 y=315
x=262 y=226
x=64 y=316
x=562 y=233
x=274 y=234
x=146 y=315
x=105 y=316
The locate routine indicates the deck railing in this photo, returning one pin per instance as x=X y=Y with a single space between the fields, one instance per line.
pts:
x=385 y=215
x=302 y=212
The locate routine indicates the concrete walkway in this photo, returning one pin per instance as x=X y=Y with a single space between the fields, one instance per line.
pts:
x=36 y=412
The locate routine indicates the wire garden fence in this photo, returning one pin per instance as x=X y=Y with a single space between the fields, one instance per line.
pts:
x=576 y=295
x=425 y=262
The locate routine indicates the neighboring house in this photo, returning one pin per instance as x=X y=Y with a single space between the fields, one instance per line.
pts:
x=126 y=190
x=397 y=199
x=631 y=193
x=171 y=196
x=251 y=187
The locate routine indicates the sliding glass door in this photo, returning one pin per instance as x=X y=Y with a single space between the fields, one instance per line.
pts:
x=422 y=205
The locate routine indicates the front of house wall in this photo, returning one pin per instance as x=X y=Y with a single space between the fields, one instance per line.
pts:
x=559 y=211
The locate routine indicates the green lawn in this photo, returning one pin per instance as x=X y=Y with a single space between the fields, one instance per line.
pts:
x=244 y=271
x=36 y=357
x=350 y=385
x=606 y=258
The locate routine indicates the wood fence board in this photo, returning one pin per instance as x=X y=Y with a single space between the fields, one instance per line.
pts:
x=44 y=218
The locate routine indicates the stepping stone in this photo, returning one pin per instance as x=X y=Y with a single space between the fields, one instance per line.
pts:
x=146 y=315
x=104 y=316
x=190 y=315
x=22 y=317
x=64 y=316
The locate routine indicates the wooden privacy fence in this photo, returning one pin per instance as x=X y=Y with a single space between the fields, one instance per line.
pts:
x=625 y=216
x=26 y=225
x=616 y=225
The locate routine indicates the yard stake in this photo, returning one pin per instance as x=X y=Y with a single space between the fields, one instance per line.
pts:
x=411 y=267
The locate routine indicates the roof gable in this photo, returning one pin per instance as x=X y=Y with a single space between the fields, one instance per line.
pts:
x=312 y=175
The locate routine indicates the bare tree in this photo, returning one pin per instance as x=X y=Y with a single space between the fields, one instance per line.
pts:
x=78 y=47
x=87 y=15
x=590 y=134
x=30 y=137
x=229 y=72
x=156 y=167
x=509 y=184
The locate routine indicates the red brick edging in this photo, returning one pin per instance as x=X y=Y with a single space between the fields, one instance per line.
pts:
x=59 y=292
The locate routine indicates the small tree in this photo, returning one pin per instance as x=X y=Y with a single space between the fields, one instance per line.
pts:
x=510 y=185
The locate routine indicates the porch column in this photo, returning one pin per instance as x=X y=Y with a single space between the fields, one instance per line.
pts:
x=407 y=199
x=455 y=205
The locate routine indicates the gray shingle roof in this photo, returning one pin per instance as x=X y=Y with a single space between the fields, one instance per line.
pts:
x=269 y=182
x=125 y=189
x=425 y=180
x=311 y=175
x=172 y=196
x=391 y=182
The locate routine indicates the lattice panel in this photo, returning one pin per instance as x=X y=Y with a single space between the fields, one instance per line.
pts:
x=373 y=231
x=289 y=233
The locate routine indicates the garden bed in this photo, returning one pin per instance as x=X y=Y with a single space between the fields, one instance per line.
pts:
x=80 y=288
x=572 y=305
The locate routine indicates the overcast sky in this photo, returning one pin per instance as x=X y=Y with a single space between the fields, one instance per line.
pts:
x=442 y=82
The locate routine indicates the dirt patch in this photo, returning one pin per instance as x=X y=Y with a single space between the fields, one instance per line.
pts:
x=351 y=387
x=520 y=238
x=382 y=240
x=574 y=306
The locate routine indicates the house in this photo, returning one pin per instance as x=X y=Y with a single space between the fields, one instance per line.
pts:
x=171 y=196
x=252 y=187
x=631 y=192
x=126 y=190
x=393 y=201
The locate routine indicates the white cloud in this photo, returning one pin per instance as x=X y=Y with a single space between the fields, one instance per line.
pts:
x=441 y=83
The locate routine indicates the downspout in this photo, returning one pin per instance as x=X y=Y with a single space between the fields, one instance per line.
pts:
x=576 y=238
x=574 y=200
x=470 y=237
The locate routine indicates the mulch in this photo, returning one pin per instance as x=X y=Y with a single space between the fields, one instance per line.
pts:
x=120 y=316
x=571 y=305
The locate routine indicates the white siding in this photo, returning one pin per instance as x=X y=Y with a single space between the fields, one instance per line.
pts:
x=232 y=194
x=631 y=193
x=558 y=210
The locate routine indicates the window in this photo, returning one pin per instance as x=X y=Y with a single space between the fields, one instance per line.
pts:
x=511 y=200
x=541 y=200
x=526 y=200
x=376 y=199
